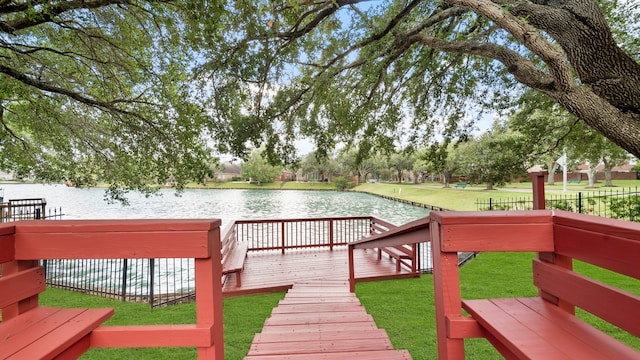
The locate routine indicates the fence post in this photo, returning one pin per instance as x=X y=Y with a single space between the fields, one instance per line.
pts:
x=124 y=279
x=490 y=204
x=151 y=276
x=580 y=202
x=537 y=181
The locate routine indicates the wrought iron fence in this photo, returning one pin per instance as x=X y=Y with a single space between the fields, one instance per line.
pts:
x=157 y=282
x=623 y=204
x=27 y=209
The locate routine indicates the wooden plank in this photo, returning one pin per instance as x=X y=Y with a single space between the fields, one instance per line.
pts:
x=51 y=335
x=618 y=228
x=317 y=308
x=613 y=305
x=498 y=237
x=369 y=355
x=336 y=317
x=130 y=225
x=315 y=328
x=603 y=343
x=7 y=252
x=535 y=329
x=619 y=254
x=105 y=245
x=491 y=217
x=409 y=233
x=320 y=335
x=151 y=336
x=21 y=285
x=320 y=346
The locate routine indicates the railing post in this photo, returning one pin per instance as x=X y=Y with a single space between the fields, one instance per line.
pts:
x=352 y=271
x=282 y=238
x=580 y=202
x=537 y=181
x=330 y=234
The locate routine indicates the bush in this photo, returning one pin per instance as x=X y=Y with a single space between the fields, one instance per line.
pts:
x=342 y=183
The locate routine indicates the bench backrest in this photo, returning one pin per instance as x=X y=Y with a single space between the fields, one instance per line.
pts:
x=20 y=282
x=609 y=244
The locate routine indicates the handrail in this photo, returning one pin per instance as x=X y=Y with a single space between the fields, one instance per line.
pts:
x=300 y=233
x=410 y=233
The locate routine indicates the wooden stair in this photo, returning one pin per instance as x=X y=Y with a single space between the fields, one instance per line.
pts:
x=322 y=320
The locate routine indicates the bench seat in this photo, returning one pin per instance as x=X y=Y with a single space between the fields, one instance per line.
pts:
x=46 y=333
x=402 y=254
x=233 y=261
x=532 y=328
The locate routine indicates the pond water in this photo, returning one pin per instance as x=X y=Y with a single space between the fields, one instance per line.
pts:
x=226 y=204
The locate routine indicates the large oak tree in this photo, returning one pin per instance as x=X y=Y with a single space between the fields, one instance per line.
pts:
x=133 y=92
x=339 y=70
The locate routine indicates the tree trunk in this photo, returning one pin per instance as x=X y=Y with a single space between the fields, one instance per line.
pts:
x=552 y=166
x=489 y=186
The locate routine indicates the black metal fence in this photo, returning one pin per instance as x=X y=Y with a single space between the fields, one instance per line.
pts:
x=623 y=204
x=27 y=209
x=157 y=282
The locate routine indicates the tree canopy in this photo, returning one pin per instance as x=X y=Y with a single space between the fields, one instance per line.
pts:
x=341 y=70
x=133 y=92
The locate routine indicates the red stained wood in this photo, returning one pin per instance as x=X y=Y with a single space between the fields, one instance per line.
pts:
x=534 y=329
x=316 y=330
x=616 y=253
x=491 y=217
x=537 y=328
x=151 y=336
x=43 y=333
x=617 y=307
x=112 y=245
x=369 y=355
x=32 y=332
x=498 y=237
x=6 y=243
x=269 y=271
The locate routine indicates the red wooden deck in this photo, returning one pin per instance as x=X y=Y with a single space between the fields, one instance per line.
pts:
x=322 y=320
x=269 y=271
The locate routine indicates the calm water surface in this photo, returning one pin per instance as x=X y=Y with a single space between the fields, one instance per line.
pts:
x=225 y=204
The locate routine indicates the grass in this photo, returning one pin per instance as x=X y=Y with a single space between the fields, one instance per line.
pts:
x=243 y=317
x=465 y=199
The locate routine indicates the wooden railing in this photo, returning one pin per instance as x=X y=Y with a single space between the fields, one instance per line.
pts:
x=24 y=243
x=411 y=233
x=289 y=234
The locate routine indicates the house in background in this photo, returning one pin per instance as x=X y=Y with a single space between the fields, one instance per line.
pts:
x=229 y=172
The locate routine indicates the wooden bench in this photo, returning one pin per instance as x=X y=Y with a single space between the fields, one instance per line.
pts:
x=404 y=255
x=233 y=254
x=30 y=331
x=461 y=185
x=542 y=327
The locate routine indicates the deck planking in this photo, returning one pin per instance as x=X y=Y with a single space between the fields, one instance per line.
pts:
x=269 y=271
x=320 y=330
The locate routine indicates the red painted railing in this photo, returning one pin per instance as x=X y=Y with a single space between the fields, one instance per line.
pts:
x=289 y=234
